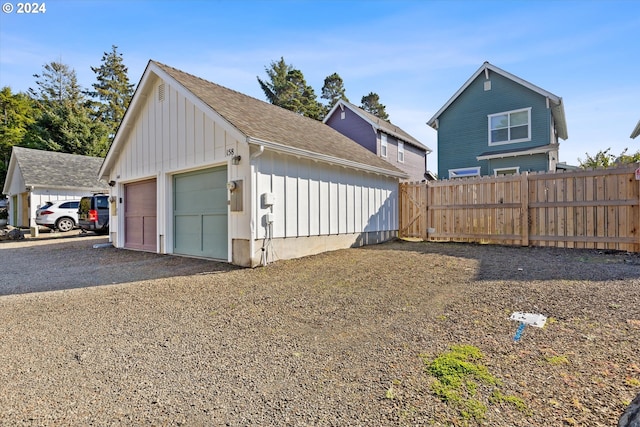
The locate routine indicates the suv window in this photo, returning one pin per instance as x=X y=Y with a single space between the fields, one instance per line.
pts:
x=69 y=205
x=102 y=202
x=46 y=205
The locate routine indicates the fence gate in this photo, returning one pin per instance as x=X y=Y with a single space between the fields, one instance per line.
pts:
x=413 y=210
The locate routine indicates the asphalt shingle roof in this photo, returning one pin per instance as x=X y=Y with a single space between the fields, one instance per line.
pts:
x=266 y=122
x=386 y=126
x=52 y=169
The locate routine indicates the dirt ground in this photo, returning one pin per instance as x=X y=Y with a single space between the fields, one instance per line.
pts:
x=352 y=337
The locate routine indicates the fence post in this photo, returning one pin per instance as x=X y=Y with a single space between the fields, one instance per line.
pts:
x=524 y=209
x=427 y=220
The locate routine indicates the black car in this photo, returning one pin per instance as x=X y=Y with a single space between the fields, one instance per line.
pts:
x=93 y=213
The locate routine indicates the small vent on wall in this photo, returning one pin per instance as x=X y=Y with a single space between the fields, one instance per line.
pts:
x=161 y=92
x=342 y=115
x=487 y=85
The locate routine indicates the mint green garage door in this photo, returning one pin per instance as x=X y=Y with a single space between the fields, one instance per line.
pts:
x=200 y=213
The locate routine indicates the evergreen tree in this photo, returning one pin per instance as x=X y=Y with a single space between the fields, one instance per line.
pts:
x=16 y=115
x=64 y=121
x=371 y=103
x=113 y=89
x=288 y=89
x=333 y=91
x=277 y=85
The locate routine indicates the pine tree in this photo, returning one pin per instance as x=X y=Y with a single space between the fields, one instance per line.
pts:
x=288 y=89
x=64 y=121
x=333 y=91
x=277 y=85
x=113 y=89
x=371 y=103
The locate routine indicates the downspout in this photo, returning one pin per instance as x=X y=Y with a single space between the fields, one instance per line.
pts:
x=254 y=198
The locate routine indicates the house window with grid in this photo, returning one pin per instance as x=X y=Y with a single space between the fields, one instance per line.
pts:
x=383 y=145
x=400 y=152
x=510 y=126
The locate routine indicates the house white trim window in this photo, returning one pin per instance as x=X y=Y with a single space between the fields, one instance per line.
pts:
x=383 y=145
x=464 y=172
x=510 y=126
x=400 y=152
x=506 y=171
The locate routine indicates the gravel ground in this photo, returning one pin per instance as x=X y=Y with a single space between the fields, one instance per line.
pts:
x=341 y=338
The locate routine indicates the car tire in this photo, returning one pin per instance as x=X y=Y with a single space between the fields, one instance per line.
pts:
x=65 y=224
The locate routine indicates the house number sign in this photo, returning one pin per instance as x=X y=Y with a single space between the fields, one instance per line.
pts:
x=231 y=152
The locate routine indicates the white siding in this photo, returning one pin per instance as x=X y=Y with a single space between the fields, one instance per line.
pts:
x=174 y=135
x=315 y=199
x=171 y=135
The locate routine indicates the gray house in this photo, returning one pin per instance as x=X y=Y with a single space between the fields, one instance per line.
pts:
x=35 y=177
x=497 y=123
x=382 y=138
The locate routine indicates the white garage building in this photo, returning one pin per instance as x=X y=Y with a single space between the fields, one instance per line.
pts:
x=201 y=170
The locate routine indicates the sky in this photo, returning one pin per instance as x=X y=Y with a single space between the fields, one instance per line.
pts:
x=415 y=54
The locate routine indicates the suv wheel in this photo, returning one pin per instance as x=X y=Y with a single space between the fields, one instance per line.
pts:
x=65 y=224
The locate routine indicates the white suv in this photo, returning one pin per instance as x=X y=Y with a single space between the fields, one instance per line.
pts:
x=61 y=215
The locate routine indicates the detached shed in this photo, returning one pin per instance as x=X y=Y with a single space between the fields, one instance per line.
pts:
x=35 y=177
x=201 y=170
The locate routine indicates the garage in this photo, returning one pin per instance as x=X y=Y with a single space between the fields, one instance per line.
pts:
x=140 y=217
x=200 y=213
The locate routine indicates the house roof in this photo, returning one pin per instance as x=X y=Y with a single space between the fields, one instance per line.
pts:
x=265 y=124
x=636 y=131
x=378 y=124
x=50 y=169
x=556 y=104
x=514 y=152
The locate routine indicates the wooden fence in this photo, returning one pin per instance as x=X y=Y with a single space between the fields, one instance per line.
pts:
x=597 y=209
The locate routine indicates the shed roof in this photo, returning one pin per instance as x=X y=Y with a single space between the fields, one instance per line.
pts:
x=556 y=104
x=40 y=168
x=379 y=124
x=264 y=123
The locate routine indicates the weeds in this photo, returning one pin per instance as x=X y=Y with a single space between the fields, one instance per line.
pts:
x=459 y=379
x=557 y=360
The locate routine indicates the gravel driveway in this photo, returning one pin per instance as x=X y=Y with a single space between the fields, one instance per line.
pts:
x=113 y=337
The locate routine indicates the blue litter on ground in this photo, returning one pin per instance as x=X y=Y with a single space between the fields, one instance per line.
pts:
x=519 y=331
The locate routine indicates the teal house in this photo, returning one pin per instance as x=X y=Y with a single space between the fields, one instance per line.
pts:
x=498 y=124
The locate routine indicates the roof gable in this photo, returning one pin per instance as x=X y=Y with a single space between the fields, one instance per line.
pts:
x=40 y=168
x=378 y=124
x=260 y=122
x=555 y=102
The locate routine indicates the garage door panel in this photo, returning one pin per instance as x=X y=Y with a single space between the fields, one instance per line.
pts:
x=188 y=236
x=214 y=229
x=140 y=217
x=200 y=213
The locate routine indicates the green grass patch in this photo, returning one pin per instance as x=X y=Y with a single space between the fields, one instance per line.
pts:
x=558 y=360
x=460 y=379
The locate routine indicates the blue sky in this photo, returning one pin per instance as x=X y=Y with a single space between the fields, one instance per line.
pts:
x=414 y=53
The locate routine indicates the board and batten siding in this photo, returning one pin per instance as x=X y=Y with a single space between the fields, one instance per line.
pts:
x=463 y=126
x=315 y=199
x=172 y=134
